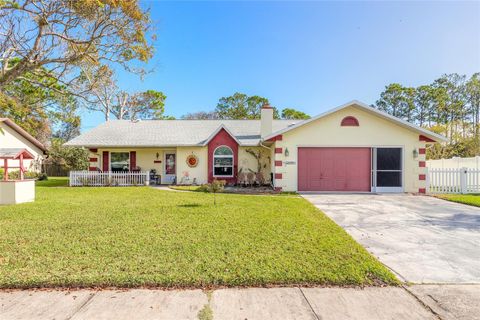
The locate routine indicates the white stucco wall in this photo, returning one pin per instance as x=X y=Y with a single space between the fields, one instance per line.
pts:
x=200 y=172
x=372 y=132
x=12 y=139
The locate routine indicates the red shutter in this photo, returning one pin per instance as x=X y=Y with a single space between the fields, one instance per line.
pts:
x=133 y=160
x=106 y=166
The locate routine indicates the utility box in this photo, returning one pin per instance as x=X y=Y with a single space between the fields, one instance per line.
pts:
x=17 y=191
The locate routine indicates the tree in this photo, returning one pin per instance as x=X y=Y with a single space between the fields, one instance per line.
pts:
x=449 y=106
x=201 y=115
x=39 y=110
x=397 y=100
x=68 y=129
x=292 y=114
x=53 y=38
x=424 y=102
x=239 y=106
x=101 y=93
x=143 y=105
x=473 y=97
x=214 y=187
x=71 y=157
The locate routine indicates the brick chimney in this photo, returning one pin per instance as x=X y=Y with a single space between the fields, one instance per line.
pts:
x=266 y=120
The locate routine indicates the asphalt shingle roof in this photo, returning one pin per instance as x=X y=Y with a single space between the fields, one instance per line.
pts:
x=158 y=133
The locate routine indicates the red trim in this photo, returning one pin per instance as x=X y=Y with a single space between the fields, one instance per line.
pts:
x=278 y=189
x=276 y=138
x=133 y=160
x=278 y=163
x=422 y=177
x=422 y=151
x=422 y=164
x=94 y=150
x=157 y=161
x=267 y=106
x=278 y=176
x=92 y=159
x=24 y=154
x=223 y=138
x=426 y=139
x=349 y=121
x=278 y=150
x=105 y=165
x=422 y=190
x=92 y=169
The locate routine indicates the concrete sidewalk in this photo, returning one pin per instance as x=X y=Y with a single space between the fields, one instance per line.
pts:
x=419 y=302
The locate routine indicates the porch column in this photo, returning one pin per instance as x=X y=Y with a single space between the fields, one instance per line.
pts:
x=5 y=169
x=21 y=167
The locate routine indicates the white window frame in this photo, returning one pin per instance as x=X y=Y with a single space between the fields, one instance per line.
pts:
x=110 y=160
x=223 y=156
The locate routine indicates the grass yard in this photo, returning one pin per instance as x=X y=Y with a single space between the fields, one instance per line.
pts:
x=53 y=182
x=129 y=237
x=470 y=199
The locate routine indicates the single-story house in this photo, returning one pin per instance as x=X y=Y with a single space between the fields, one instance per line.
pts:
x=353 y=147
x=13 y=140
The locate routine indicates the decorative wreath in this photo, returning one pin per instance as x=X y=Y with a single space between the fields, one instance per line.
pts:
x=192 y=161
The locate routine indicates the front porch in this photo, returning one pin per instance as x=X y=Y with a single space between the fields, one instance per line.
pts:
x=193 y=165
x=127 y=166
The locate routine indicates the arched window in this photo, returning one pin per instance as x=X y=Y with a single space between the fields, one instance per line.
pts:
x=349 y=122
x=223 y=162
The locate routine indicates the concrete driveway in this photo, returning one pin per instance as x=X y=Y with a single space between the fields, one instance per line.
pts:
x=422 y=239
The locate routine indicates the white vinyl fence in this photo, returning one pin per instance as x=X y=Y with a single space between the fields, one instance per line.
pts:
x=453 y=180
x=455 y=162
x=108 y=179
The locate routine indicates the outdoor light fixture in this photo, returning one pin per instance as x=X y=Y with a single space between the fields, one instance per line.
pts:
x=286 y=152
x=415 y=153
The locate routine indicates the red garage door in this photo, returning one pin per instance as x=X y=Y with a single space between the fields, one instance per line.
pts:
x=334 y=169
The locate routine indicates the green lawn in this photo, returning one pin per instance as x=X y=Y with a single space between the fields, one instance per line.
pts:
x=127 y=237
x=53 y=182
x=470 y=199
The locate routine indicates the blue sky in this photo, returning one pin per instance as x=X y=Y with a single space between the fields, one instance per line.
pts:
x=311 y=56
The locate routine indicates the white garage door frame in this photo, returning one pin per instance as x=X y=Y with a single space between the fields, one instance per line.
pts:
x=373 y=188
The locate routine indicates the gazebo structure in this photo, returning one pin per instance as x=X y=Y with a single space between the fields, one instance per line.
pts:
x=19 y=190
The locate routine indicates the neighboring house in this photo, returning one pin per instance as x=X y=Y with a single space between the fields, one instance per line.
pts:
x=351 y=148
x=13 y=137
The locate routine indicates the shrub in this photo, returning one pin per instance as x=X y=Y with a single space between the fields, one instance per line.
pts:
x=15 y=174
x=42 y=176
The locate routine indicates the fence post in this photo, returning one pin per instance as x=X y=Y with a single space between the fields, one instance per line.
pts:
x=70 y=179
x=463 y=180
x=147 y=178
x=427 y=181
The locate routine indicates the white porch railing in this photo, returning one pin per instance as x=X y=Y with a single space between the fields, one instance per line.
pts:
x=463 y=180
x=108 y=179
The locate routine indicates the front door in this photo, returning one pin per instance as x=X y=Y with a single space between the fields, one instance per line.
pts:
x=170 y=168
x=387 y=170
